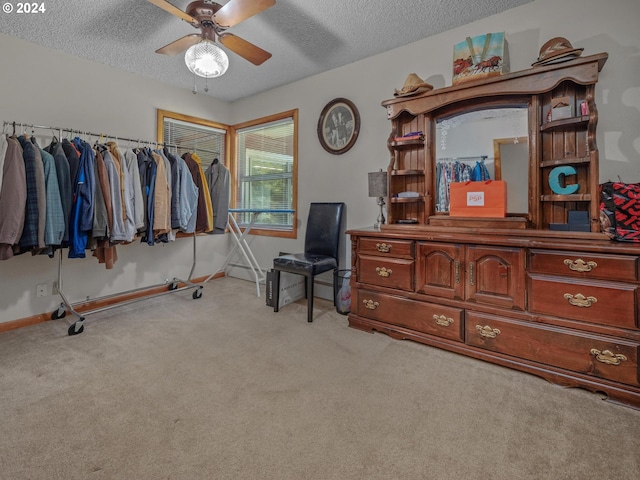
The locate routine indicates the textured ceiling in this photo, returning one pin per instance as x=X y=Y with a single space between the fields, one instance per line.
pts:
x=306 y=37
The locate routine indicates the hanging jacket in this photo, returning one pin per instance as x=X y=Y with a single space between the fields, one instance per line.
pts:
x=162 y=200
x=201 y=215
x=73 y=157
x=13 y=198
x=103 y=210
x=207 y=198
x=36 y=200
x=54 y=215
x=147 y=168
x=175 y=188
x=127 y=192
x=81 y=223
x=3 y=152
x=64 y=183
x=218 y=179
x=188 y=211
x=131 y=163
x=117 y=233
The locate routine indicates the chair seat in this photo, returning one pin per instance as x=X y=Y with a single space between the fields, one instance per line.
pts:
x=305 y=263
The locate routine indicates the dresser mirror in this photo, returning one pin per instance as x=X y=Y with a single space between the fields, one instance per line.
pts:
x=491 y=141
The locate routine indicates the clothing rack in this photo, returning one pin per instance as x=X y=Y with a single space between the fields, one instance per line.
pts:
x=83 y=132
x=463 y=159
x=172 y=287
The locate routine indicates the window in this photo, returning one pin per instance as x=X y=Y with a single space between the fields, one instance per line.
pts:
x=263 y=164
x=266 y=172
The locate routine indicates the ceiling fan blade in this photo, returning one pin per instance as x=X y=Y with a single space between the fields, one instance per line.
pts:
x=180 y=45
x=236 y=11
x=166 y=6
x=245 y=49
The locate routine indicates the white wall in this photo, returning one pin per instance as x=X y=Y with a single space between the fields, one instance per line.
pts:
x=42 y=86
x=598 y=26
x=45 y=87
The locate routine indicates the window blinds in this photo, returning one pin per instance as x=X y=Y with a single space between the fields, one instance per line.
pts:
x=207 y=142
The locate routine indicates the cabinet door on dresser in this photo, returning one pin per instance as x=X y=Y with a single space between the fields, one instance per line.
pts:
x=440 y=269
x=496 y=276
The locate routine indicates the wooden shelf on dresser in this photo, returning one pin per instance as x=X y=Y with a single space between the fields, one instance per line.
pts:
x=565 y=308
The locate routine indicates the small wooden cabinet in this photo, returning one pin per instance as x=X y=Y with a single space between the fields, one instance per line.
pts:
x=564 y=305
x=491 y=275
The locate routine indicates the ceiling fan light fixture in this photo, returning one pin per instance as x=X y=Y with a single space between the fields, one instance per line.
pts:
x=206 y=59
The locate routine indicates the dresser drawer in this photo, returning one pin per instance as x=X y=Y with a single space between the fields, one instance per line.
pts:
x=596 y=355
x=386 y=247
x=386 y=272
x=622 y=268
x=604 y=303
x=403 y=312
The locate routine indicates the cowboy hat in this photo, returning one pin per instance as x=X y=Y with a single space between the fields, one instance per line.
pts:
x=555 y=50
x=413 y=85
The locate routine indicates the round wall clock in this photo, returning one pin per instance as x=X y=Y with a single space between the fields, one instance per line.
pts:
x=338 y=126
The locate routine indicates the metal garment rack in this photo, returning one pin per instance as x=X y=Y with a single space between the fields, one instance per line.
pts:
x=173 y=286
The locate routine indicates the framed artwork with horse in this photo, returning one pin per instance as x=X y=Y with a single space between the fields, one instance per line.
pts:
x=480 y=57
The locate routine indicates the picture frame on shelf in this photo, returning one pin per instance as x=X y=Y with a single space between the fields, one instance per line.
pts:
x=338 y=126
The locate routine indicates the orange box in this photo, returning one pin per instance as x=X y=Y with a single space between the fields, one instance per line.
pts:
x=478 y=199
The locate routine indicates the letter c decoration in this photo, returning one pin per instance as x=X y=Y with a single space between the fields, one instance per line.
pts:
x=556 y=185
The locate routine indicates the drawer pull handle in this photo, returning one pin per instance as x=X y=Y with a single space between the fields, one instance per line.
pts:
x=487 y=331
x=472 y=276
x=457 y=271
x=370 y=304
x=580 y=265
x=384 y=272
x=442 y=320
x=608 y=357
x=383 y=247
x=579 y=300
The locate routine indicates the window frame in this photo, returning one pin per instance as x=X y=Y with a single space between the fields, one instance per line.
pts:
x=233 y=156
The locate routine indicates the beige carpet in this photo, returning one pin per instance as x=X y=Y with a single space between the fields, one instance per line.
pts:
x=223 y=388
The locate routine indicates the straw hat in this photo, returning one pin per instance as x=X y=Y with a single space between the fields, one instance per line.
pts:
x=558 y=49
x=413 y=85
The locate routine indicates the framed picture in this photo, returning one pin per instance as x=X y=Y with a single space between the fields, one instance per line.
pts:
x=338 y=126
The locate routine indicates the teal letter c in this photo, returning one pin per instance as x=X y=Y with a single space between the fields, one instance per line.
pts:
x=554 y=180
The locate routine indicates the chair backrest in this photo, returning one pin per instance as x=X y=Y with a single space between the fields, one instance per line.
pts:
x=323 y=229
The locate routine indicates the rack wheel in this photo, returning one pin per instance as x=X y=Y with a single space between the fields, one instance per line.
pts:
x=197 y=293
x=59 y=313
x=76 y=328
x=173 y=286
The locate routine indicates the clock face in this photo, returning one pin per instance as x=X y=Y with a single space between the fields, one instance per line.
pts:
x=338 y=126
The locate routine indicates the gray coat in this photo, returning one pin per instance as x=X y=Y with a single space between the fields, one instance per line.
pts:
x=218 y=180
x=13 y=198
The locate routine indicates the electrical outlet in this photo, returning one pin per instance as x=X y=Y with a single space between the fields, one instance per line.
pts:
x=41 y=290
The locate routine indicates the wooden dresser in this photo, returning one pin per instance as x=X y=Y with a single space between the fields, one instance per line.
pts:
x=563 y=305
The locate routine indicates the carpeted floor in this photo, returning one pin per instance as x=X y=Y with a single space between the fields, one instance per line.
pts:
x=223 y=388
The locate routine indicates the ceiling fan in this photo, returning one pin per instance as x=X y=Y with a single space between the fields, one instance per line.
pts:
x=213 y=20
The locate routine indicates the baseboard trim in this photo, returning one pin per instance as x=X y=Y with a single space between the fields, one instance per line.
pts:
x=94 y=304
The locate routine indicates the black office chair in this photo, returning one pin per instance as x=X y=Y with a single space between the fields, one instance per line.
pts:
x=321 y=244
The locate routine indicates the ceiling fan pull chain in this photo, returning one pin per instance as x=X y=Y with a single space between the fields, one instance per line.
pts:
x=206 y=84
x=195 y=88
